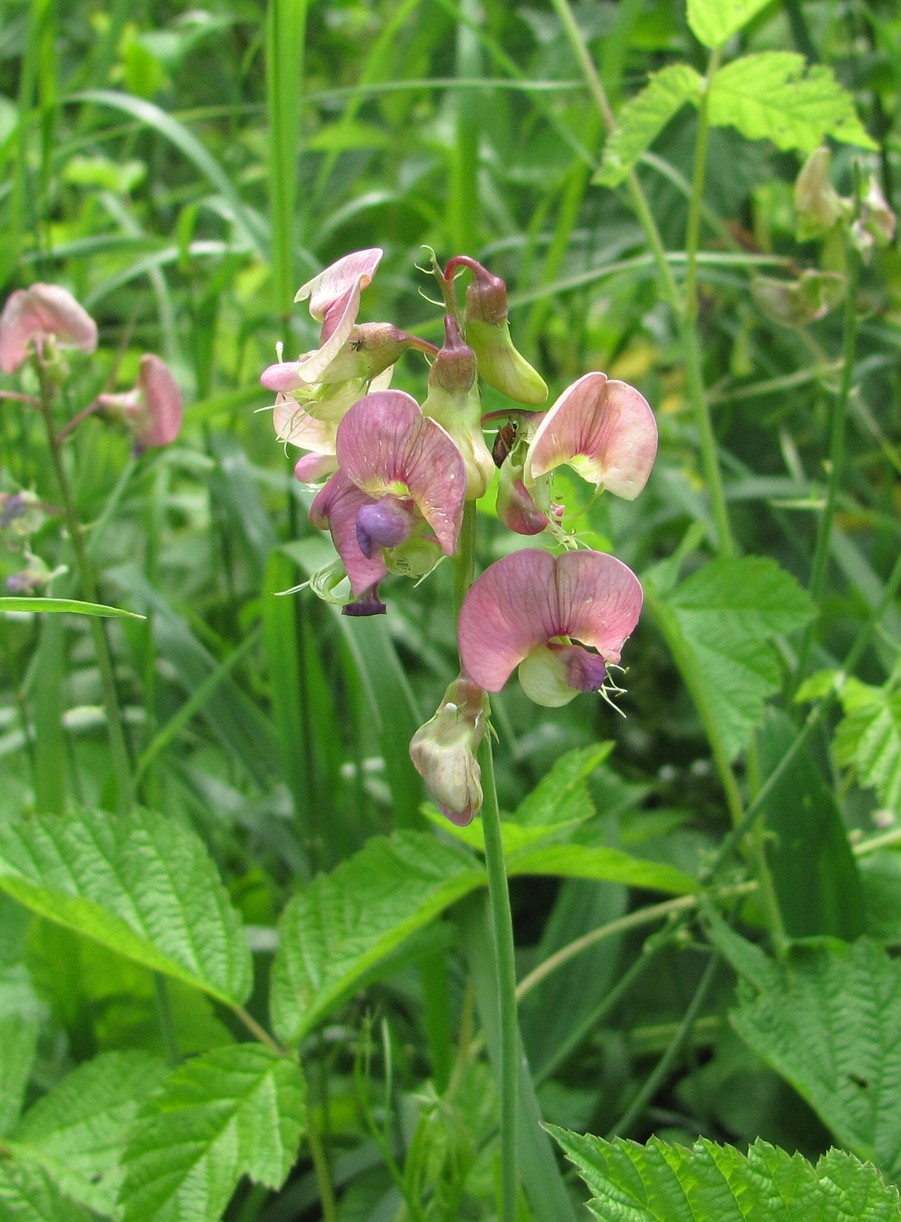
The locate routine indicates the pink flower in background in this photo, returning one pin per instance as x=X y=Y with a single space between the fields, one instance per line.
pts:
x=560 y=619
x=604 y=429
x=34 y=315
x=153 y=410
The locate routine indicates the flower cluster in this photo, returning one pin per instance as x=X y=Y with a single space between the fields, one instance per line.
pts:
x=399 y=476
x=36 y=326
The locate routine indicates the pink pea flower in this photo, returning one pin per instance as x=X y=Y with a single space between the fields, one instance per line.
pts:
x=604 y=429
x=399 y=473
x=34 y=315
x=444 y=751
x=153 y=409
x=560 y=619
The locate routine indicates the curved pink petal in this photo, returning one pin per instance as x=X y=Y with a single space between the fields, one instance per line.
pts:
x=387 y=447
x=159 y=417
x=353 y=272
x=605 y=429
x=294 y=425
x=33 y=314
x=311 y=468
x=335 y=508
x=530 y=597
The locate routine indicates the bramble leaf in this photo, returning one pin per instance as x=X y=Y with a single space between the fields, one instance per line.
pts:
x=869 y=737
x=27 y=1194
x=829 y=1025
x=344 y=923
x=230 y=1112
x=776 y=96
x=707 y=1182
x=643 y=118
x=141 y=885
x=722 y=620
x=76 y=1132
x=713 y=22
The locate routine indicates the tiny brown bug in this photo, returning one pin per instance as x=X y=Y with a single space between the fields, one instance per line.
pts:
x=504 y=442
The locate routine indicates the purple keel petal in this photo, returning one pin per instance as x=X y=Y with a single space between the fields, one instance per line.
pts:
x=387 y=447
x=335 y=508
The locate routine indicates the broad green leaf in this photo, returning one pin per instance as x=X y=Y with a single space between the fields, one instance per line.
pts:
x=601 y=864
x=561 y=796
x=643 y=118
x=18 y=1043
x=706 y=1182
x=869 y=737
x=76 y=1132
x=720 y=624
x=27 y=1194
x=814 y=872
x=775 y=96
x=142 y=885
x=230 y=1112
x=829 y=1025
x=713 y=22
x=70 y=605
x=344 y=923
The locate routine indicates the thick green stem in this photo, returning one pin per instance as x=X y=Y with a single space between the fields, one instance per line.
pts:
x=502 y=925
x=114 y=724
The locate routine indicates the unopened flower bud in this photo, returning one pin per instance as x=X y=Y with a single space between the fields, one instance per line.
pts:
x=875 y=226
x=818 y=204
x=488 y=333
x=516 y=507
x=795 y=303
x=371 y=348
x=453 y=401
x=444 y=751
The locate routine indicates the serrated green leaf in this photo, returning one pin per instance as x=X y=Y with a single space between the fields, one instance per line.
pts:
x=869 y=737
x=707 y=1182
x=601 y=864
x=18 y=1042
x=713 y=22
x=775 y=96
x=69 y=605
x=27 y=1194
x=76 y=1132
x=829 y=1025
x=345 y=922
x=721 y=622
x=229 y=1112
x=643 y=118
x=561 y=795
x=142 y=885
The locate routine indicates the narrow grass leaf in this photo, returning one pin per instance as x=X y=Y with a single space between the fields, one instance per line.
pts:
x=775 y=96
x=706 y=1182
x=71 y=605
x=644 y=117
x=229 y=1112
x=602 y=865
x=141 y=885
x=815 y=874
x=830 y=1026
x=76 y=1133
x=721 y=623
x=345 y=922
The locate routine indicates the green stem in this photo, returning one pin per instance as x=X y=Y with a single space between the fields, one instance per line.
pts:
x=837 y=428
x=321 y=1171
x=114 y=723
x=502 y=925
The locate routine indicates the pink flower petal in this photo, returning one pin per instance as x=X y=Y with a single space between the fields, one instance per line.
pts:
x=335 y=281
x=311 y=468
x=32 y=315
x=530 y=597
x=605 y=429
x=387 y=447
x=335 y=508
x=159 y=419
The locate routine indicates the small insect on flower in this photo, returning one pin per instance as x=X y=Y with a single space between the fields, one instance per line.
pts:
x=504 y=442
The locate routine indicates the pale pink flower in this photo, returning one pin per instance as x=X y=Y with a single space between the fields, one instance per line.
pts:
x=34 y=315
